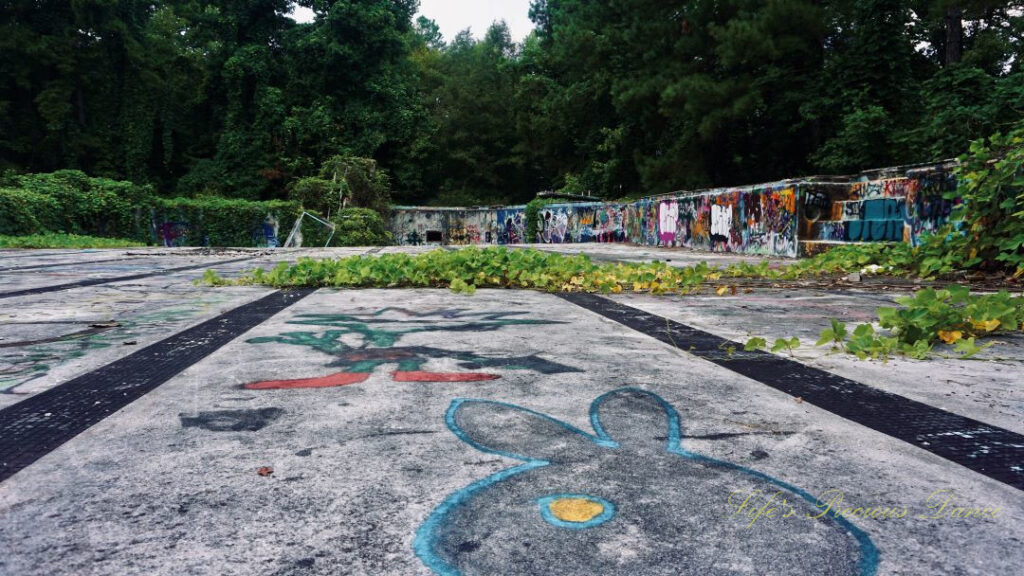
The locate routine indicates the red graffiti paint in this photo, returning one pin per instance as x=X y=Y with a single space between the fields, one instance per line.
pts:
x=442 y=377
x=332 y=381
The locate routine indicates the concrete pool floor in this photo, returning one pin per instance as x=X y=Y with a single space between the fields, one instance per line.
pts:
x=152 y=426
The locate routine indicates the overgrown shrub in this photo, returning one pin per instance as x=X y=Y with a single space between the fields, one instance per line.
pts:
x=359 y=227
x=90 y=206
x=364 y=185
x=26 y=212
x=316 y=195
x=992 y=187
x=69 y=202
x=532 y=216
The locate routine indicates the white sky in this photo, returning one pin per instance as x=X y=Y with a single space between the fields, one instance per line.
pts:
x=456 y=15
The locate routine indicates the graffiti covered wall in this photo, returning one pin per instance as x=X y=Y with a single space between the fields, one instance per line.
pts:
x=512 y=225
x=892 y=209
x=779 y=219
x=413 y=226
x=581 y=222
x=752 y=221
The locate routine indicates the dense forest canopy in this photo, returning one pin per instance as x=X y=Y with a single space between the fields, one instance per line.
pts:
x=611 y=97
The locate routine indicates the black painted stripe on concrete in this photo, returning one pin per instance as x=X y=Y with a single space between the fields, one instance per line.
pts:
x=995 y=452
x=39 y=424
x=97 y=281
x=60 y=264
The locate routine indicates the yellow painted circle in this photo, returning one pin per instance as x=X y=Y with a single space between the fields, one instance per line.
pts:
x=575 y=509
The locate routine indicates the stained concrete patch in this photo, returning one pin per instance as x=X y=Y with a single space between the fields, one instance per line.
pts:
x=232 y=420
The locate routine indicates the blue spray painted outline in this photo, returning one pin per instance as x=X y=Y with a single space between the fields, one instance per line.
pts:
x=545 y=511
x=423 y=544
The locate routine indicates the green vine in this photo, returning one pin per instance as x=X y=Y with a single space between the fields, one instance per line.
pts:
x=532 y=215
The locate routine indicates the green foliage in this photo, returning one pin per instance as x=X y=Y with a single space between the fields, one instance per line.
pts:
x=755 y=344
x=834 y=335
x=930 y=312
x=470 y=268
x=235 y=99
x=26 y=212
x=789 y=344
x=358 y=181
x=862 y=140
x=864 y=343
x=952 y=316
x=992 y=176
x=963 y=103
x=91 y=206
x=359 y=227
x=52 y=240
x=929 y=317
x=316 y=194
x=70 y=202
x=532 y=217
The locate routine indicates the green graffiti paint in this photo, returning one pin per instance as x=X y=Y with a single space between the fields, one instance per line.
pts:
x=378 y=334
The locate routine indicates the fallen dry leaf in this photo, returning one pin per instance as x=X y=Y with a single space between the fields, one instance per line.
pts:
x=265 y=471
x=987 y=326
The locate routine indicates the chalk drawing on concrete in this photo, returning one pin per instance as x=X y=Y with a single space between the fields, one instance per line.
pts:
x=625 y=499
x=363 y=343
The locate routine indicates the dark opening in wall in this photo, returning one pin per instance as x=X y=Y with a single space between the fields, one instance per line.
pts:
x=434 y=236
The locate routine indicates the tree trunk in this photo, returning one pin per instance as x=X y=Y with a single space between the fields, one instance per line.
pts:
x=954 y=35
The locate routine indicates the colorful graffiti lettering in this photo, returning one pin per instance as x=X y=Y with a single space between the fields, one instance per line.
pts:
x=851 y=210
x=378 y=334
x=577 y=493
x=927 y=207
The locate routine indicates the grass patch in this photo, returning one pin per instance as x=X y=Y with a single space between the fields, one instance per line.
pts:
x=56 y=240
